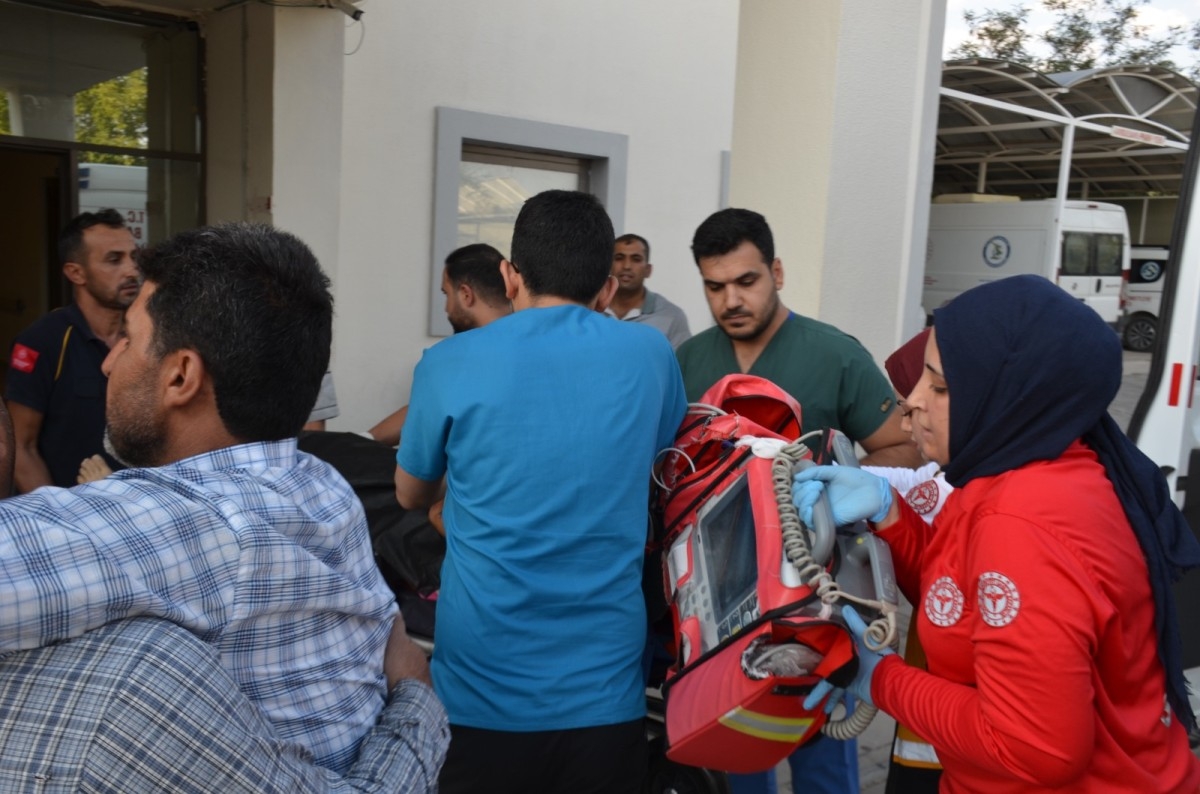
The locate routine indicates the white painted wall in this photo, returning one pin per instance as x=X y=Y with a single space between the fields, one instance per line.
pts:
x=275 y=82
x=307 y=140
x=885 y=117
x=661 y=73
x=833 y=139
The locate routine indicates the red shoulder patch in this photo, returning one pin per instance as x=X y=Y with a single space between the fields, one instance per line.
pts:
x=23 y=358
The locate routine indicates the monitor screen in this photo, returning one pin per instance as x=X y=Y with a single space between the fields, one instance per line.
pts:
x=726 y=532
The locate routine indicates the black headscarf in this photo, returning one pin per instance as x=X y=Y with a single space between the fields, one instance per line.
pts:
x=1030 y=370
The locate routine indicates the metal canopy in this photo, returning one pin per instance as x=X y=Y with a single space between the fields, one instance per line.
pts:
x=1004 y=128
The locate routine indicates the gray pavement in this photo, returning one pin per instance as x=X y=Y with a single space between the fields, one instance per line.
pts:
x=875 y=744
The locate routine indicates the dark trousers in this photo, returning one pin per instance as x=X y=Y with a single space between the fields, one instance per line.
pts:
x=609 y=759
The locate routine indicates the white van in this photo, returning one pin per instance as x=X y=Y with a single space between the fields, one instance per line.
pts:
x=1141 y=296
x=975 y=239
x=119 y=187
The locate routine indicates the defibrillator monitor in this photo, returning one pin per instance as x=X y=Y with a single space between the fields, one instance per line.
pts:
x=714 y=566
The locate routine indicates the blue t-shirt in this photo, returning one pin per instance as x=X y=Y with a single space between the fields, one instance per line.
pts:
x=546 y=424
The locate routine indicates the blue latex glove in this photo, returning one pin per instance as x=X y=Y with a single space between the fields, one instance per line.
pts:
x=868 y=660
x=853 y=494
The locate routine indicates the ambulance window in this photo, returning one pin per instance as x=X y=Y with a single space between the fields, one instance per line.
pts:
x=1109 y=248
x=1088 y=254
x=1075 y=254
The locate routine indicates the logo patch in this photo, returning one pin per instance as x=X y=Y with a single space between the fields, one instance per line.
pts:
x=999 y=599
x=996 y=251
x=923 y=498
x=885 y=406
x=23 y=358
x=944 y=602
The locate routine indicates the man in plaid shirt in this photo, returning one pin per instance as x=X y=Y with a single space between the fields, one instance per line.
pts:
x=219 y=525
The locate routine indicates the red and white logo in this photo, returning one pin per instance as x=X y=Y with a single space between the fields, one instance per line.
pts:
x=944 y=602
x=23 y=358
x=999 y=599
x=923 y=498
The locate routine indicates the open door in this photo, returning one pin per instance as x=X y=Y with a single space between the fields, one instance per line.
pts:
x=34 y=205
x=1164 y=423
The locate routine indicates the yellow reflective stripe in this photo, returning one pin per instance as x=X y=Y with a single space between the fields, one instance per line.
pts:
x=63 y=353
x=766 y=726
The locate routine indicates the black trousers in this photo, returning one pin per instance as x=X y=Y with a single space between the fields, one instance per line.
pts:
x=609 y=759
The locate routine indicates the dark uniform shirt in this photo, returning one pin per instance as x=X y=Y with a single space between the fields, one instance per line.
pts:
x=54 y=369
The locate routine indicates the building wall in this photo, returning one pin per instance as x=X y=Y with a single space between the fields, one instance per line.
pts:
x=833 y=138
x=661 y=73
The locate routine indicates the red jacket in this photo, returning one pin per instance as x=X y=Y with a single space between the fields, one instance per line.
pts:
x=1033 y=603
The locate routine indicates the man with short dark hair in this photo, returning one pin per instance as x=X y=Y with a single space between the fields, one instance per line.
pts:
x=142 y=704
x=55 y=389
x=473 y=287
x=474 y=290
x=831 y=375
x=221 y=526
x=633 y=301
x=541 y=619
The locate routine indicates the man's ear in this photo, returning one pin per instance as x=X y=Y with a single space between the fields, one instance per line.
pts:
x=777 y=273
x=183 y=374
x=649 y=270
x=513 y=283
x=606 y=293
x=466 y=295
x=74 y=273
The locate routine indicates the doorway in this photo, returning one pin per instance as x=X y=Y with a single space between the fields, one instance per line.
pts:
x=34 y=205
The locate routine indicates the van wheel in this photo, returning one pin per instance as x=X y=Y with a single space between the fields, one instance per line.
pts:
x=1139 y=333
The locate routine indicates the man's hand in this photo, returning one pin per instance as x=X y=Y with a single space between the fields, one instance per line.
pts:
x=403 y=658
x=92 y=469
x=435 y=517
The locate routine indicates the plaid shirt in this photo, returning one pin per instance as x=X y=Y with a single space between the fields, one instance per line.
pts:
x=141 y=705
x=258 y=549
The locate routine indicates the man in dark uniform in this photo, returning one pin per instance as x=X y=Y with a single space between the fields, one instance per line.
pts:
x=55 y=391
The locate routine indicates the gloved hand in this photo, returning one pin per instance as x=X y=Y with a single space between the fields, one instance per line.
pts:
x=853 y=494
x=868 y=660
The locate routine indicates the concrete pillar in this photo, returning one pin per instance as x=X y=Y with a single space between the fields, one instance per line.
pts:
x=834 y=118
x=274 y=120
x=240 y=63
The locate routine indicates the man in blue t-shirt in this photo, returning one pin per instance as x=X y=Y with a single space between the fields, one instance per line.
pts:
x=545 y=425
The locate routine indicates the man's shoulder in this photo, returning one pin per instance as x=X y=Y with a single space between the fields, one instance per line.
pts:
x=815 y=334
x=660 y=305
x=47 y=330
x=703 y=342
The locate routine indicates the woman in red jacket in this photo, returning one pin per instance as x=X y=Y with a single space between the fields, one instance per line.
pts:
x=1042 y=589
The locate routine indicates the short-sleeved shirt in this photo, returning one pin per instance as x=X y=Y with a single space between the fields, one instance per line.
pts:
x=660 y=313
x=54 y=368
x=546 y=424
x=831 y=375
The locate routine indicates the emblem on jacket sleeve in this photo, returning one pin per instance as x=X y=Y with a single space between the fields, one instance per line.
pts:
x=23 y=358
x=999 y=599
x=943 y=602
x=923 y=498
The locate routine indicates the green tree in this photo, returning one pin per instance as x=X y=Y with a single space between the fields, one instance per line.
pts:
x=1085 y=34
x=5 y=126
x=113 y=113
